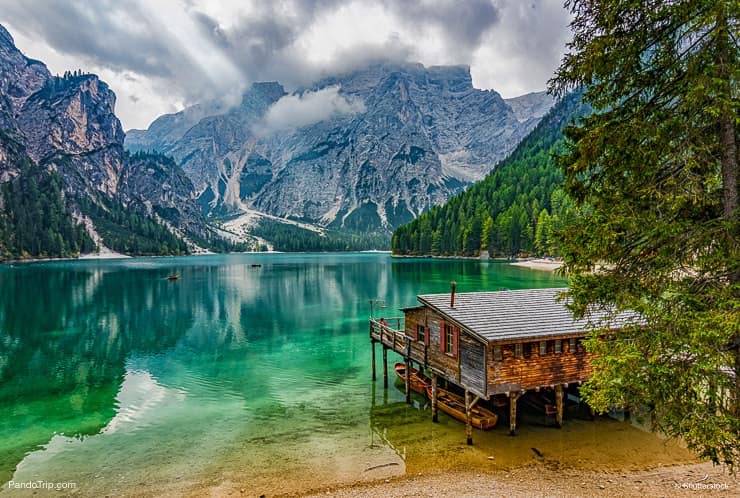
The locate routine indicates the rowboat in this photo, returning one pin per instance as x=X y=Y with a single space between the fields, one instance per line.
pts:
x=174 y=276
x=454 y=406
x=418 y=381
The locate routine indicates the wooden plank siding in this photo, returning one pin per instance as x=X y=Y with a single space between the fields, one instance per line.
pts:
x=532 y=370
x=444 y=364
x=473 y=364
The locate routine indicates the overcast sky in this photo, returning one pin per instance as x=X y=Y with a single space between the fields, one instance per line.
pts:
x=161 y=55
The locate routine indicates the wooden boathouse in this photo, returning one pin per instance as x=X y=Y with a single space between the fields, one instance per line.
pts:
x=493 y=345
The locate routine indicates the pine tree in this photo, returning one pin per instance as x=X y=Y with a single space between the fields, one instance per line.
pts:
x=654 y=172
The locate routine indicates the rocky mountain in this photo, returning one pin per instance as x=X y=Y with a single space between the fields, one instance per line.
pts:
x=62 y=132
x=515 y=210
x=531 y=105
x=398 y=140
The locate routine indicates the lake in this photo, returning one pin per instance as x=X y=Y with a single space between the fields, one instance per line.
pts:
x=244 y=377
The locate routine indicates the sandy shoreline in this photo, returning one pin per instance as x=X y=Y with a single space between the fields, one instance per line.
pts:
x=539 y=264
x=702 y=479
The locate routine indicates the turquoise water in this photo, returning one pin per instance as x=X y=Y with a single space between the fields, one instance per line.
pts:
x=232 y=377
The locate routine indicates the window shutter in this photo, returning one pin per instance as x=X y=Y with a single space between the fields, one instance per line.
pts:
x=442 y=337
x=427 y=331
x=455 y=339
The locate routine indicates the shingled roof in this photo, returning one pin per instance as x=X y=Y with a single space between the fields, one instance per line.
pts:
x=519 y=314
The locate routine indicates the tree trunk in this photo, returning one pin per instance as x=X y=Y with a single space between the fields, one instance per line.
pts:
x=728 y=144
x=726 y=120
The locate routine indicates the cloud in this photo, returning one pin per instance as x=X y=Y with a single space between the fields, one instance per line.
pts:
x=180 y=52
x=298 y=110
x=524 y=49
x=462 y=24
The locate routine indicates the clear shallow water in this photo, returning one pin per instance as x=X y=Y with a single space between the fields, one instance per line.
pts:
x=234 y=377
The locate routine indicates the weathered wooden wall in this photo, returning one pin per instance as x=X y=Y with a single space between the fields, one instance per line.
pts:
x=445 y=363
x=535 y=370
x=473 y=363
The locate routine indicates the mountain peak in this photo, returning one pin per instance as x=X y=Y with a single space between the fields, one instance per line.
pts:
x=267 y=87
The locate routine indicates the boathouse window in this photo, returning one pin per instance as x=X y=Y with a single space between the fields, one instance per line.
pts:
x=449 y=339
x=543 y=348
x=572 y=344
x=497 y=354
x=420 y=333
x=558 y=346
x=518 y=350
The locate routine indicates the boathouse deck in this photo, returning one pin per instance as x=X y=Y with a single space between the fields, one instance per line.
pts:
x=493 y=345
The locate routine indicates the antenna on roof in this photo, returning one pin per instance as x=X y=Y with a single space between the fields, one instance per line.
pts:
x=453 y=286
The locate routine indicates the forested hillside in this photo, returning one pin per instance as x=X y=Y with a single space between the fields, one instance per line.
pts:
x=514 y=210
x=285 y=237
x=34 y=221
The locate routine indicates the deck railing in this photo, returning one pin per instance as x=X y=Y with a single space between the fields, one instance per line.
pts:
x=392 y=335
x=385 y=333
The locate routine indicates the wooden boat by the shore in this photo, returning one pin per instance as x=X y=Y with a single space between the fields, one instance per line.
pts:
x=454 y=406
x=418 y=381
x=174 y=276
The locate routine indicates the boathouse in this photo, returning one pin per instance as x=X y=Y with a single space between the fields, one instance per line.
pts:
x=492 y=345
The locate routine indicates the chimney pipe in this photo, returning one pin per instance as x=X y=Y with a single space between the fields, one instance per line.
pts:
x=453 y=286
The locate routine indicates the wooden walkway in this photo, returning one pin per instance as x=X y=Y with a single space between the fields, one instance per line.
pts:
x=411 y=350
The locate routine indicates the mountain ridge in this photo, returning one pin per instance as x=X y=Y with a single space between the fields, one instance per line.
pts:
x=514 y=210
x=62 y=132
x=424 y=135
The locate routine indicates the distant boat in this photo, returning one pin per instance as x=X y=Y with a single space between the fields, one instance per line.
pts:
x=419 y=381
x=454 y=406
x=255 y=265
x=174 y=276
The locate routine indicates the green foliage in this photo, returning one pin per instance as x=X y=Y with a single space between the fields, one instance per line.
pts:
x=654 y=170
x=34 y=221
x=130 y=230
x=501 y=213
x=289 y=238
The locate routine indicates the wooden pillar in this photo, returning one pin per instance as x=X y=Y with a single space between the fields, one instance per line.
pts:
x=385 y=366
x=372 y=345
x=559 y=404
x=434 y=398
x=468 y=418
x=513 y=397
x=408 y=380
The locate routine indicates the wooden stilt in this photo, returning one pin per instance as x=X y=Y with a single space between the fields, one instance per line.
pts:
x=372 y=345
x=559 y=404
x=434 y=398
x=513 y=397
x=408 y=380
x=468 y=418
x=385 y=367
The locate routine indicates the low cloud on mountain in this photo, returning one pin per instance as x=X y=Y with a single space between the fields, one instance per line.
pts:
x=160 y=56
x=296 y=111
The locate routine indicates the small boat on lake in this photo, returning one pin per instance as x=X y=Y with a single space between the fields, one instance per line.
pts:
x=418 y=381
x=454 y=406
x=174 y=276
